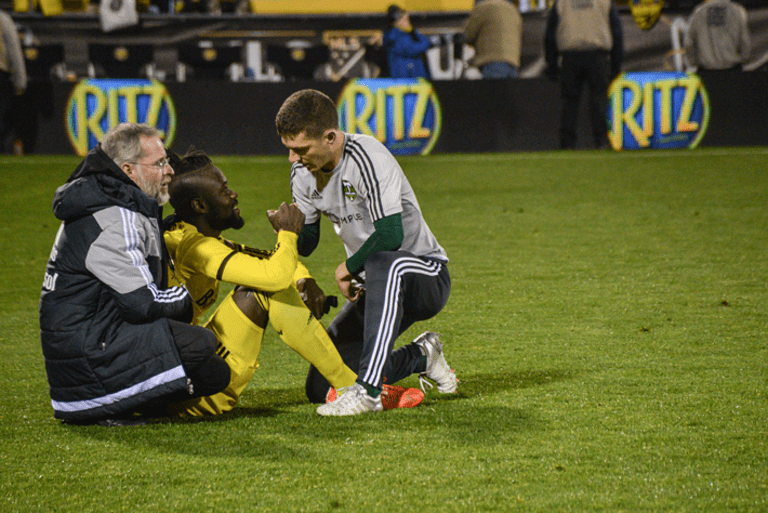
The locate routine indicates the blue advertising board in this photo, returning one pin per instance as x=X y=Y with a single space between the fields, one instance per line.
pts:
x=96 y=105
x=404 y=114
x=657 y=110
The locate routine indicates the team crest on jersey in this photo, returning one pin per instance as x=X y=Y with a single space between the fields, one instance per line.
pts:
x=646 y=12
x=349 y=190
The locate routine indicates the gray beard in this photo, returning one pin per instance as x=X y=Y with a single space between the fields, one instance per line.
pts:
x=155 y=191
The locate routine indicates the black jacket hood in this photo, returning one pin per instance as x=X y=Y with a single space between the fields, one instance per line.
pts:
x=98 y=183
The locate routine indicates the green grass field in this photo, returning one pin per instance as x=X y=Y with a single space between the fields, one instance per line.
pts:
x=608 y=323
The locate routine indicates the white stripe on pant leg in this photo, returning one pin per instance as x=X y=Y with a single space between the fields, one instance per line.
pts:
x=379 y=354
x=385 y=323
x=389 y=312
x=400 y=268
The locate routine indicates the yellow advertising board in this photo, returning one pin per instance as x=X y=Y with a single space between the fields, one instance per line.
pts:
x=355 y=6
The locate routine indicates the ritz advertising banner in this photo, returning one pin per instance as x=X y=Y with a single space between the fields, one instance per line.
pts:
x=96 y=105
x=404 y=114
x=658 y=110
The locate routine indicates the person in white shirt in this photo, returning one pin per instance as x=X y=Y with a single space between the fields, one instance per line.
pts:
x=395 y=273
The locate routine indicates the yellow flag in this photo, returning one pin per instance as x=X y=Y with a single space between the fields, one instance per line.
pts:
x=646 y=12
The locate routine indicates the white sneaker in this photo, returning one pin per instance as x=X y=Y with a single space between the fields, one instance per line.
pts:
x=352 y=400
x=437 y=368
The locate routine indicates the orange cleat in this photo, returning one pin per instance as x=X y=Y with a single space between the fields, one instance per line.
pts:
x=400 y=397
x=391 y=397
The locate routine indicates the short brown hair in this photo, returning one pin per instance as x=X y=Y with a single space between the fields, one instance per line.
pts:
x=307 y=111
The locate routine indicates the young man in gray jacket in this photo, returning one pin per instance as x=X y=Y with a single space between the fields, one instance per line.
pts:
x=395 y=273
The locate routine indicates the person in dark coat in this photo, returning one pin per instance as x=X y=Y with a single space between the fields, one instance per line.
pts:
x=405 y=46
x=114 y=338
x=588 y=40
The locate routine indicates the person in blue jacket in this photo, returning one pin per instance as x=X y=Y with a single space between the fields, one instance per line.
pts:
x=406 y=47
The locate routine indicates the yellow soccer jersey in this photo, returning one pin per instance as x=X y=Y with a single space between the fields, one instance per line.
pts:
x=200 y=262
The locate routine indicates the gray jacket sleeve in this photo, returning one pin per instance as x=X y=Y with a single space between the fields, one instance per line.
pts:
x=119 y=258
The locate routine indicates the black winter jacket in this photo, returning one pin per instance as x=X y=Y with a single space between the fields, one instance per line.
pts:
x=107 y=344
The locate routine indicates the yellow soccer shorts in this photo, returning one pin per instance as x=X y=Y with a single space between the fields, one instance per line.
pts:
x=240 y=343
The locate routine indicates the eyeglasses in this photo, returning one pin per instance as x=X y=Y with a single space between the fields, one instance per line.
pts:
x=159 y=164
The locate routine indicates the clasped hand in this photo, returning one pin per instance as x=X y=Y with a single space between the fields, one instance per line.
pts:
x=344 y=280
x=287 y=217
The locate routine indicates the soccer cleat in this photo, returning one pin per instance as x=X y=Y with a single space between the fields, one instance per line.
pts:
x=391 y=397
x=400 y=397
x=352 y=400
x=437 y=368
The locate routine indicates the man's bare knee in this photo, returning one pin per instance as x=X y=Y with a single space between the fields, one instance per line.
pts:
x=246 y=301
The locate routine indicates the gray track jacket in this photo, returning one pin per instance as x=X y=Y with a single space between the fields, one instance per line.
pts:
x=103 y=308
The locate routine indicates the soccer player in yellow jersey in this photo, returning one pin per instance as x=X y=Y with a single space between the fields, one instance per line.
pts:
x=265 y=283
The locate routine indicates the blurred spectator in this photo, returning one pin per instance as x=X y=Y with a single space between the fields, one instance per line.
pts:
x=13 y=72
x=718 y=37
x=495 y=30
x=405 y=46
x=587 y=36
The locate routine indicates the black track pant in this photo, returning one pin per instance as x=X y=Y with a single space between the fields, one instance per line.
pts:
x=400 y=289
x=593 y=69
x=208 y=372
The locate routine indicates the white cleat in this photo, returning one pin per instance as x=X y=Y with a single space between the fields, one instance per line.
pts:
x=437 y=368
x=352 y=400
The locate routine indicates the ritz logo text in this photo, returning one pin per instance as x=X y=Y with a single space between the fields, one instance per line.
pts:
x=96 y=105
x=404 y=114
x=657 y=110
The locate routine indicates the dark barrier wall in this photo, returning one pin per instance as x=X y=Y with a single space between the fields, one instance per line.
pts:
x=477 y=116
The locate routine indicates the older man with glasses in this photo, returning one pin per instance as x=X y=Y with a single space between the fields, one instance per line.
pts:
x=115 y=338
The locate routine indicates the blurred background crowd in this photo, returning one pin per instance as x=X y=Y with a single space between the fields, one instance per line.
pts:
x=45 y=41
